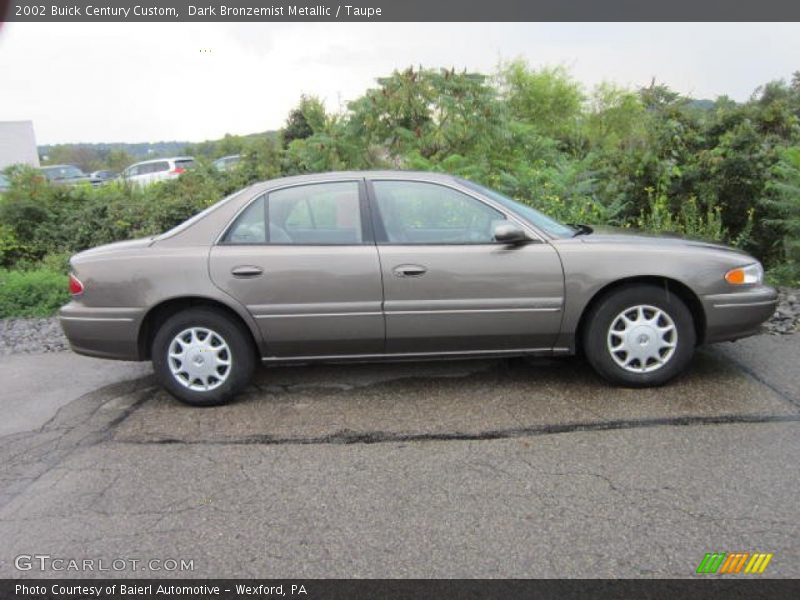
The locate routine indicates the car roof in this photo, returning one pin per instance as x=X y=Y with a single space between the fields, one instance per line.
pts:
x=163 y=158
x=58 y=167
x=345 y=175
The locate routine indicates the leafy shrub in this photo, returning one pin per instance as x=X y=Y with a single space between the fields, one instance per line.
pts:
x=786 y=274
x=783 y=209
x=690 y=220
x=32 y=293
x=722 y=170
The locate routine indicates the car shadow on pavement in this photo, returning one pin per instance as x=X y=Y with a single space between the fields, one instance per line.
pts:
x=478 y=399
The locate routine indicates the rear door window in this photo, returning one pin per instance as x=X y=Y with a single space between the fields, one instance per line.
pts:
x=313 y=214
x=249 y=227
x=321 y=213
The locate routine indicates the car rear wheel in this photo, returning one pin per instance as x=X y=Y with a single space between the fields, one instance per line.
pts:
x=639 y=336
x=203 y=357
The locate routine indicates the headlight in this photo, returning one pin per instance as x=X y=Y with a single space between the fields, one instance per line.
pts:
x=749 y=275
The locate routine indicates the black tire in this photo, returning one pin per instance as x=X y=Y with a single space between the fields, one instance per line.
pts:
x=241 y=355
x=605 y=312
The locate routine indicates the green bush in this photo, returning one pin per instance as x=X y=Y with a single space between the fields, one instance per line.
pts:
x=32 y=293
x=650 y=158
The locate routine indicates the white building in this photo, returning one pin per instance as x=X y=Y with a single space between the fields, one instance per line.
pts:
x=17 y=144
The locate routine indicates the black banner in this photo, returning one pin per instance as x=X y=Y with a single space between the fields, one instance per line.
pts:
x=753 y=588
x=402 y=10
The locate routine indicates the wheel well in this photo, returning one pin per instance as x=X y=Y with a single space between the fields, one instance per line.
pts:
x=161 y=312
x=672 y=286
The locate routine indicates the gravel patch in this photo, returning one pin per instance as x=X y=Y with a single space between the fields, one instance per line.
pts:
x=29 y=336
x=787 y=316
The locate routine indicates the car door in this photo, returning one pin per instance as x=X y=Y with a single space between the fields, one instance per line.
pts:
x=448 y=286
x=143 y=172
x=130 y=173
x=158 y=171
x=303 y=261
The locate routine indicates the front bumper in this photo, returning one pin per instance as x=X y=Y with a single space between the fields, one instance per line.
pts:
x=738 y=314
x=102 y=332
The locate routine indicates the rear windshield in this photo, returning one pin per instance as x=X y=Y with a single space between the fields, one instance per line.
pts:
x=184 y=164
x=67 y=172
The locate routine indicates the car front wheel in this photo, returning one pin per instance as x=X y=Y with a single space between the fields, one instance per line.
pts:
x=639 y=336
x=203 y=357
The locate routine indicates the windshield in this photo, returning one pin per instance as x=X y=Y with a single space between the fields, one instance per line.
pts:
x=533 y=216
x=62 y=172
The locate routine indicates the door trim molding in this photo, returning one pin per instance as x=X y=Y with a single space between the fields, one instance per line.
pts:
x=459 y=311
x=297 y=315
x=418 y=355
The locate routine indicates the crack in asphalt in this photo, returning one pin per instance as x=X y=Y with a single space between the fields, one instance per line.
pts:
x=380 y=437
x=44 y=449
x=795 y=402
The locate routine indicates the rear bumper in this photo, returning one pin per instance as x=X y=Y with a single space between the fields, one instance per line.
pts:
x=102 y=332
x=739 y=314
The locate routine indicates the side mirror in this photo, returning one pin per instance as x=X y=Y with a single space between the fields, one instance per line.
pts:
x=508 y=233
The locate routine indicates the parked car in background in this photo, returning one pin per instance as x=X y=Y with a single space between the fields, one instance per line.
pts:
x=67 y=174
x=101 y=177
x=159 y=169
x=4 y=183
x=227 y=163
x=401 y=265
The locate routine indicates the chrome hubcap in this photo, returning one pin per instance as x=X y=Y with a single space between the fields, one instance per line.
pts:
x=199 y=359
x=642 y=338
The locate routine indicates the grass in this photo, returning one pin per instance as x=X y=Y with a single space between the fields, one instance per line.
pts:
x=36 y=293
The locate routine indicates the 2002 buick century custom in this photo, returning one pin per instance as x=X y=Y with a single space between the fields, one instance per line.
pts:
x=388 y=265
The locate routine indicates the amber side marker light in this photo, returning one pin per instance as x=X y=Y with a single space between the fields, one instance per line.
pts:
x=745 y=275
x=735 y=277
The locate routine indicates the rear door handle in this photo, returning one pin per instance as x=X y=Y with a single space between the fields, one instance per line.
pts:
x=410 y=270
x=246 y=271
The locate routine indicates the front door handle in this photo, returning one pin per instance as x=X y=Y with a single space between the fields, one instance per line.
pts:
x=246 y=271
x=410 y=270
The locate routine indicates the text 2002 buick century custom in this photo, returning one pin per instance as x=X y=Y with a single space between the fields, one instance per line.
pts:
x=388 y=265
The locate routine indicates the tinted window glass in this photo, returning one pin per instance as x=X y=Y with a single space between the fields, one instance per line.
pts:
x=159 y=166
x=532 y=215
x=425 y=213
x=322 y=213
x=184 y=164
x=249 y=226
x=62 y=172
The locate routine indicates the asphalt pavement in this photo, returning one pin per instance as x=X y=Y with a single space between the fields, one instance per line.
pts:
x=498 y=468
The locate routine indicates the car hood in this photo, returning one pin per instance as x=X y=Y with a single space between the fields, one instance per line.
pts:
x=114 y=248
x=619 y=235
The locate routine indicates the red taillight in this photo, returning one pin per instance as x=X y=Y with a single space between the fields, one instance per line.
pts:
x=75 y=285
x=178 y=171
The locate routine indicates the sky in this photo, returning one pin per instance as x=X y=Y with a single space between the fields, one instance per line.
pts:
x=147 y=82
